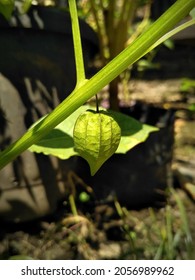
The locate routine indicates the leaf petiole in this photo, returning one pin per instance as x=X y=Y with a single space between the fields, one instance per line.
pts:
x=80 y=70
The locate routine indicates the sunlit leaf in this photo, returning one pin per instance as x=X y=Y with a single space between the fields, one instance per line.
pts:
x=6 y=8
x=169 y=44
x=133 y=132
x=192 y=13
x=26 y=5
x=59 y=142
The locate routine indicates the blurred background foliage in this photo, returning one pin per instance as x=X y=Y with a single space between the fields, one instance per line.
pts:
x=117 y=23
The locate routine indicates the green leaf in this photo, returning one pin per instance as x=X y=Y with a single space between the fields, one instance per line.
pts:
x=132 y=132
x=26 y=5
x=144 y=64
x=59 y=142
x=6 y=8
x=187 y=85
x=191 y=107
x=96 y=137
x=169 y=44
x=192 y=13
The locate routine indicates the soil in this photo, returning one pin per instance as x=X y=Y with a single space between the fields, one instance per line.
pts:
x=108 y=230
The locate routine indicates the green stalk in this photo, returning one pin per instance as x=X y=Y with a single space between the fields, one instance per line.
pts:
x=73 y=205
x=80 y=70
x=100 y=28
x=171 y=33
x=88 y=89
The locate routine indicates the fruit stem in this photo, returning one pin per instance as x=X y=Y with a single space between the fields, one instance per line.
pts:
x=97 y=103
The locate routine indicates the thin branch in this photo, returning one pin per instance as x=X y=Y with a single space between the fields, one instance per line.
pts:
x=101 y=35
x=80 y=70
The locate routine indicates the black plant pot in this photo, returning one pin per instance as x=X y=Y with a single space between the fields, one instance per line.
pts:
x=37 y=71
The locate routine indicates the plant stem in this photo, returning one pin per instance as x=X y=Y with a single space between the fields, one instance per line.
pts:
x=172 y=32
x=73 y=205
x=80 y=70
x=95 y=10
x=81 y=94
